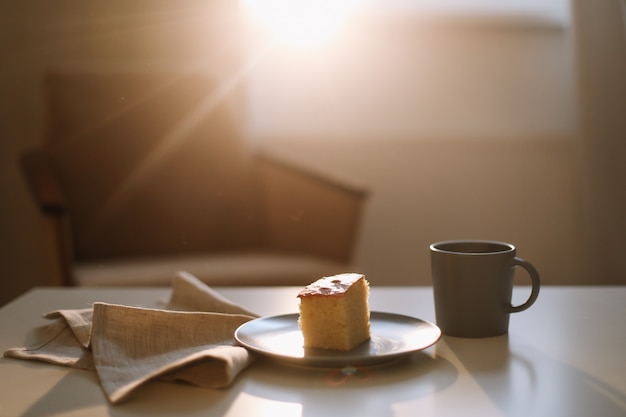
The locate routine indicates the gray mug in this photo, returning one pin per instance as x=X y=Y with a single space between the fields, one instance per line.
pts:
x=473 y=285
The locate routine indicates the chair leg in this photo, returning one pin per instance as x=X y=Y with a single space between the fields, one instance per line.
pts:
x=64 y=251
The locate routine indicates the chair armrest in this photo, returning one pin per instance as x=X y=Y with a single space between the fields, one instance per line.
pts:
x=307 y=211
x=43 y=182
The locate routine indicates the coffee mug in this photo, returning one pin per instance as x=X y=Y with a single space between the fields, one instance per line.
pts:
x=473 y=285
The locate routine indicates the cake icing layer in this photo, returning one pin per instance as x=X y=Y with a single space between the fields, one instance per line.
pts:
x=333 y=285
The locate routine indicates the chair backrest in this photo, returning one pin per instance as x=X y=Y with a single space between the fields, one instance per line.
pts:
x=307 y=211
x=150 y=163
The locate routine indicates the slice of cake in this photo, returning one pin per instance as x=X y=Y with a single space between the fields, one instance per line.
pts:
x=334 y=312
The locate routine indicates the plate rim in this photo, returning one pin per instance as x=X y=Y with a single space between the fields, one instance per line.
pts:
x=339 y=360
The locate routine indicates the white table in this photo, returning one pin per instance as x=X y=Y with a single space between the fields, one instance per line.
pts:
x=566 y=356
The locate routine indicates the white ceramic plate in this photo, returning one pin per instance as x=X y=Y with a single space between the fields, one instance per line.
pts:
x=393 y=335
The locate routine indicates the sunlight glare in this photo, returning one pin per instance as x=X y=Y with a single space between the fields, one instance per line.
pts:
x=301 y=22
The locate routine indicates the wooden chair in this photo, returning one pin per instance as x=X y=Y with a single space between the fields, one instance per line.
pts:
x=145 y=174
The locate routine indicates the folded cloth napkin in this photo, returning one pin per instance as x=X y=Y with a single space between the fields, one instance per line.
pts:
x=190 y=340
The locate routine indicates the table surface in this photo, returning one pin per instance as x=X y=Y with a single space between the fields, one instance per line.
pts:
x=565 y=356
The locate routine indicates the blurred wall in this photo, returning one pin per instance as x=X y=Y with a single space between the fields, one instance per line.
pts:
x=463 y=126
x=459 y=131
x=503 y=126
x=601 y=65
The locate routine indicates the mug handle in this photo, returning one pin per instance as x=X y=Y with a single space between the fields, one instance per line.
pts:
x=534 y=293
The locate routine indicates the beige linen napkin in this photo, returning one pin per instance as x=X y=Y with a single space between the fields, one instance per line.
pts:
x=190 y=340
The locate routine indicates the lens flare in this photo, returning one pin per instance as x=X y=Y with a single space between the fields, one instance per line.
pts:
x=301 y=22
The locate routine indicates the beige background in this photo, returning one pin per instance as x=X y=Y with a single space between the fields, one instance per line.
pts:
x=511 y=131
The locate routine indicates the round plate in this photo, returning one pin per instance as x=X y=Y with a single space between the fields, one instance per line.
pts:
x=392 y=335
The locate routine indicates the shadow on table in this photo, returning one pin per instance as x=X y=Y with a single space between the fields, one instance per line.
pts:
x=337 y=391
x=155 y=398
x=304 y=387
x=523 y=381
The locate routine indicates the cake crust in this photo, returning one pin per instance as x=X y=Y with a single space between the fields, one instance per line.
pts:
x=335 y=285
